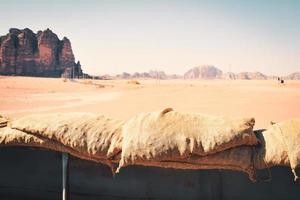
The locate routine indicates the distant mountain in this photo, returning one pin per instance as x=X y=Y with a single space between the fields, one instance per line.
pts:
x=229 y=76
x=175 y=76
x=211 y=72
x=158 y=74
x=152 y=74
x=203 y=72
x=293 y=76
x=251 y=76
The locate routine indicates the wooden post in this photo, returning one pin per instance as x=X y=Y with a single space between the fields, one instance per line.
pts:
x=65 y=175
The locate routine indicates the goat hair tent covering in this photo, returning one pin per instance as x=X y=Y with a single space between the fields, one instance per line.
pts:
x=166 y=138
x=281 y=145
x=91 y=135
x=172 y=135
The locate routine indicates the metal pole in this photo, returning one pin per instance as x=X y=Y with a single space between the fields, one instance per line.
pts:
x=65 y=175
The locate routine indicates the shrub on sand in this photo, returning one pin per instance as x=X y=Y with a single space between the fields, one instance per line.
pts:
x=88 y=82
x=134 y=82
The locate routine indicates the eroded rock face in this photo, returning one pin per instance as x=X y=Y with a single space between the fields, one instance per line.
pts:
x=251 y=76
x=293 y=76
x=23 y=52
x=152 y=74
x=66 y=57
x=229 y=76
x=26 y=49
x=203 y=72
x=8 y=52
x=48 y=50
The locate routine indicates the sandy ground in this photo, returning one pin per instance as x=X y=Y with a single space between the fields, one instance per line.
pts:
x=264 y=100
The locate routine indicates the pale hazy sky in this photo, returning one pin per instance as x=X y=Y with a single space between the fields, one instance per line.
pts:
x=115 y=36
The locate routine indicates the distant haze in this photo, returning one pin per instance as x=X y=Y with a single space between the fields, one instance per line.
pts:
x=117 y=36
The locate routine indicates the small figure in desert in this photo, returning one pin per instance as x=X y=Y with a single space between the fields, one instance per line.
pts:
x=280 y=80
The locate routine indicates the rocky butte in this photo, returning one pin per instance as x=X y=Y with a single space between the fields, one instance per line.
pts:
x=25 y=53
x=203 y=72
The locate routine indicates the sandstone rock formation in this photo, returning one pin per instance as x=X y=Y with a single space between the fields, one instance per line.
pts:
x=251 y=76
x=152 y=74
x=203 y=72
x=293 y=76
x=229 y=76
x=211 y=72
x=22 y=52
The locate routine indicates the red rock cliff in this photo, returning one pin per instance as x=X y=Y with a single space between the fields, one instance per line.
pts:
x=23 y=52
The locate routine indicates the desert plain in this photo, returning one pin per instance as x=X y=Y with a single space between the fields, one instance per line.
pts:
x=265 y=100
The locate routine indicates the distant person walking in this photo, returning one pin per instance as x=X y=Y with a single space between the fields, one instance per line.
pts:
x=280 y=80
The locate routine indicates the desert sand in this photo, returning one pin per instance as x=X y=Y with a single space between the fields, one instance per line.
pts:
x=264 y=100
